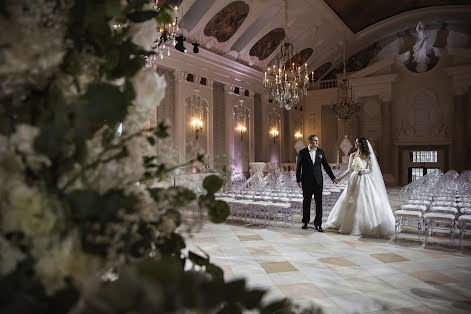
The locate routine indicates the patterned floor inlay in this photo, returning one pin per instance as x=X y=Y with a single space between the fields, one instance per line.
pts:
x=278 y=267
x=389 y=257
x=336 y=262
x=254 y=237
x=433 y=277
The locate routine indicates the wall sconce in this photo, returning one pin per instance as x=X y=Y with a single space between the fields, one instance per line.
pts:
x=298 y=135
x=197 y=125
x=275 y=134
x=242 y=129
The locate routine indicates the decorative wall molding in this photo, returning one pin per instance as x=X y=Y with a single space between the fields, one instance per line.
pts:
x=216 y=67
x=380 y=86
x=461 y=77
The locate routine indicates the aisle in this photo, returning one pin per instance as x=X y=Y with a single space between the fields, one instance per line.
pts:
x=341 y=273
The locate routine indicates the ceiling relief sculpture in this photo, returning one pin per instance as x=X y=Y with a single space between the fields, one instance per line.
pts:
x=300 y=58
x=267 y=44
x=359 y=14
x=227 y=21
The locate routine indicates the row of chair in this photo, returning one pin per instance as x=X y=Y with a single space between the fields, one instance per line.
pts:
x=428 y=210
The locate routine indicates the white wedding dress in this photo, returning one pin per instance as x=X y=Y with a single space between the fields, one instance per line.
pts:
x=363 y=208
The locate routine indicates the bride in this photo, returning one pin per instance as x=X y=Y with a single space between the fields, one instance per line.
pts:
x=363 y=208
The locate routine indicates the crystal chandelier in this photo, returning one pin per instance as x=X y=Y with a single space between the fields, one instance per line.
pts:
x=286 y=82
x=344 y=107
x=167 y=34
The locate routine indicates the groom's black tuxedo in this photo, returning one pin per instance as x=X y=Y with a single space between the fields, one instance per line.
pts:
x=310 y=175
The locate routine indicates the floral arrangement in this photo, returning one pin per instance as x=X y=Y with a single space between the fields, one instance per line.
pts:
x=81 y=231
x=358 y=165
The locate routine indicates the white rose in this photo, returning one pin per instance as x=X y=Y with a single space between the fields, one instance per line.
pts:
x=144 y=34
x=150 y=90
x=65 y=259
x=10 y=256
x=29 y=211
x=23 y=140
x=357 y=164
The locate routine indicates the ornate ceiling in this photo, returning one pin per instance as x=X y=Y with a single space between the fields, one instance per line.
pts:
x=359 y=14
x=251 y=31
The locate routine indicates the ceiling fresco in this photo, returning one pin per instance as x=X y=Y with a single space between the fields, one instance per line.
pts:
x=359 y=14
x=268 y=43
x=320 y=71
x=227 y=21
x=300 y=58
x=251 y=32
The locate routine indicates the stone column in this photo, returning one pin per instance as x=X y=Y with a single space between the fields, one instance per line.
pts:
x=228 y=92
x=467 y=135
x=387 y=149
x=219 y=122
x=256 y=120
x=180 y=126
x=210 y=144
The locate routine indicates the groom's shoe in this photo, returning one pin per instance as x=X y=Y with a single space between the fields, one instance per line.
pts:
x=319 y=228
x=304 y=226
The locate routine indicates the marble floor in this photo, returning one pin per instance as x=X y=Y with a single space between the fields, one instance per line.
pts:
x=342 y=273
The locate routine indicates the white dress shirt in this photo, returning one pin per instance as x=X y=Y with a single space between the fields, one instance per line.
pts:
x=312 y=153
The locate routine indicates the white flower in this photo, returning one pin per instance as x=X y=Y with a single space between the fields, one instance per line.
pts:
x=150 y=90
x=28 y=211
x=10 y=256
x=357 y=164
x=167 y=225
x=65 y=258
x=144 y=34
x=23 y=140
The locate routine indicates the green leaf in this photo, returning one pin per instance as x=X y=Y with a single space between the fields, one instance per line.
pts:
x=113 y=9
x=133 y=65
x=197 y=259
x=212 y=183
x=164 y=17
x=161 y=131
x=218 y=211
x=253 y=298
x=104 y=104
x=122 y=154
x=215 y=271
x=84 y=204
x=151 y=140
x=282 y=306
x=50 y=140
x=112 y=59
x=172 y=245
x=200 y=157
x=180 y=196
x=141 y=16
x=157 y=194
x=129 y=92
x=91 y=206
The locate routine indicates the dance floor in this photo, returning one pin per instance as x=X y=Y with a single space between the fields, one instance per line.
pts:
x=342 y=273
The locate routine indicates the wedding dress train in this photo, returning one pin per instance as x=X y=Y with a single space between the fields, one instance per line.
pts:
x=363 y=208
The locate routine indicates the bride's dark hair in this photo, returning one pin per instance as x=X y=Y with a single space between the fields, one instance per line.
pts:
x=363 y=146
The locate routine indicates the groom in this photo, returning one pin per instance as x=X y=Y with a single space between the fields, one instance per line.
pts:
x=309 y=178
